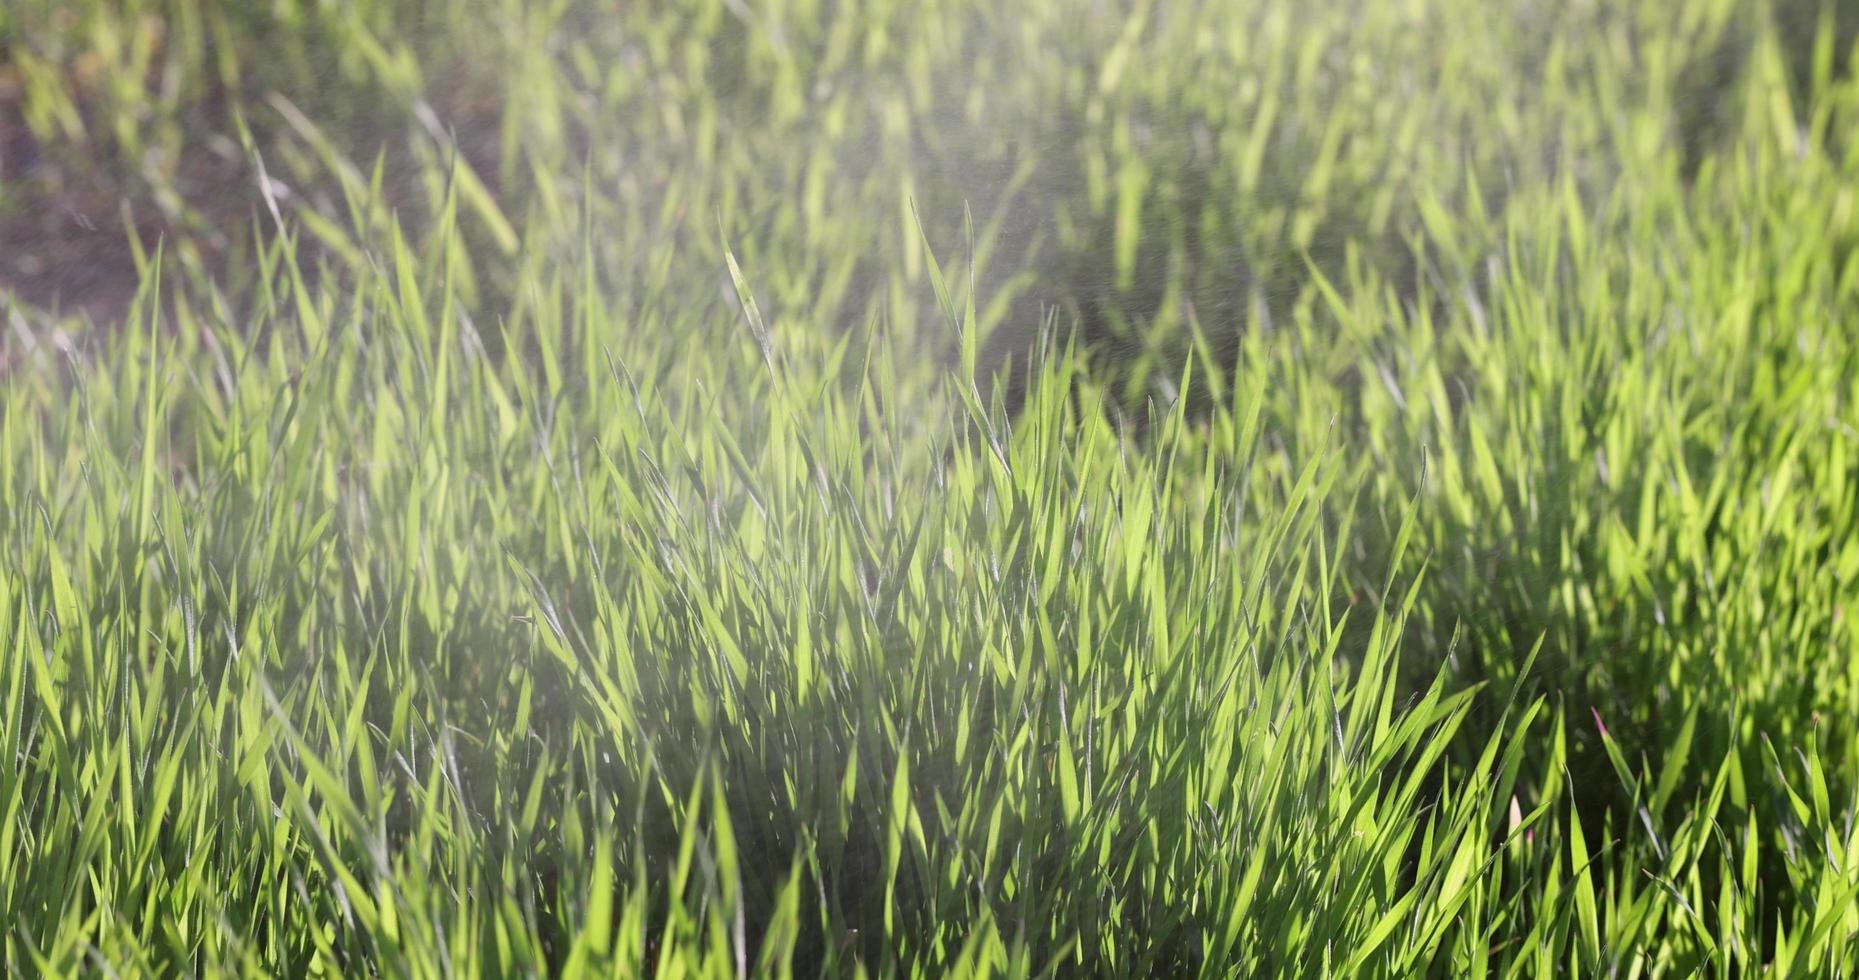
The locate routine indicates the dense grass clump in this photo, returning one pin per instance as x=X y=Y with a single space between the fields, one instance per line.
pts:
x=1230 y=489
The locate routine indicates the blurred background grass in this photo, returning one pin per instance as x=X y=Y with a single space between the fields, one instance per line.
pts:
x=1142 y=166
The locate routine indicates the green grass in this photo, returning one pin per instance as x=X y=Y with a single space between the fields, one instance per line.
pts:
x=553 y=504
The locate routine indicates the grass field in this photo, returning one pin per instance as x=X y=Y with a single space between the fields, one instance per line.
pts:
x=790 y=487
